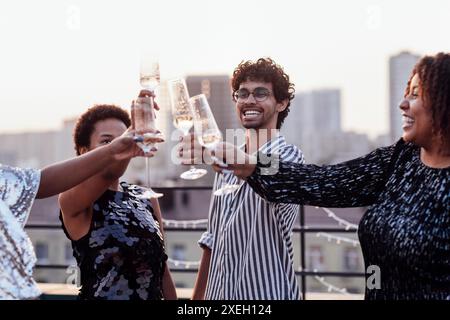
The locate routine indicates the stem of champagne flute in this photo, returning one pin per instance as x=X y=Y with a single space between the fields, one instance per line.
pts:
x=147 y=170
x=147 y=160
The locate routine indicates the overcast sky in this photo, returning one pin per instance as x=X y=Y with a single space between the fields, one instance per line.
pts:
x=59 y=57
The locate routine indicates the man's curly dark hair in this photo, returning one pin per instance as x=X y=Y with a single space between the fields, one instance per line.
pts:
x=266 y=70
x=434 y=79
x=86 y=123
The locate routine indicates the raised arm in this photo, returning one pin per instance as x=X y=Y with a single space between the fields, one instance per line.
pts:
x=206 y=242
x=202 y=275
x=64 y=175
x=83 y=195
x=168 y=286
x=349 y=184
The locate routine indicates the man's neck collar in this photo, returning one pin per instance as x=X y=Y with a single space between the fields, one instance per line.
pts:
x=257 y=138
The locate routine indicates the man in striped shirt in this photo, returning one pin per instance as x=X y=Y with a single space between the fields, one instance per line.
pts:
x=247 y=250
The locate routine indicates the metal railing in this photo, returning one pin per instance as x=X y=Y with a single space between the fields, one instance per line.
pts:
x=301 y=229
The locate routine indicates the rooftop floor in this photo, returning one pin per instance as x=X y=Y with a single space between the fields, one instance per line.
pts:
x=65 y=291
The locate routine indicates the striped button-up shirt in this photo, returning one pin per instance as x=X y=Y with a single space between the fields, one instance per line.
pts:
x=250 y=239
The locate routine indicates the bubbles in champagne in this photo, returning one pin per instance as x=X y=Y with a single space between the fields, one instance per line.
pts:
x=183 y=122
x=210 y=138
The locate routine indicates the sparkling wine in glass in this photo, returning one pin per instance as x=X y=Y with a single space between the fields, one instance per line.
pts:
x=182 y=119
x=209 y=135
x=143 y=115
x=149 y=73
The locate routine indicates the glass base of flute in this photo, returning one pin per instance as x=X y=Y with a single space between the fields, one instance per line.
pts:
x=227 y=188
x=146 y=147
x=193 y=173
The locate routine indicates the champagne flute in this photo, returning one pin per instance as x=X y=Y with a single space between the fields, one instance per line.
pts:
x=209 y=135
x=182 y=119
x=149 y=76
x=143 y=114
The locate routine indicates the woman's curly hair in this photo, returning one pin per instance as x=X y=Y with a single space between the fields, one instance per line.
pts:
x=86 y=123
x=434 y=79
x=266 y=70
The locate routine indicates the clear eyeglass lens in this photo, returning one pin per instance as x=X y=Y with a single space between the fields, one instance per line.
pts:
x=260 y=94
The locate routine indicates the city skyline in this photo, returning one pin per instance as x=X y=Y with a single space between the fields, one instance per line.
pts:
x=61 y=57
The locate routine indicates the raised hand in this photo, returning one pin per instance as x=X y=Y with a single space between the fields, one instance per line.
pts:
x=147 y=94
x=241 y=163
x=125 y=147
x=143 y=122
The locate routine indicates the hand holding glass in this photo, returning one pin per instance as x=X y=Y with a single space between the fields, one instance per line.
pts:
x=209 y=134
x=143 y=116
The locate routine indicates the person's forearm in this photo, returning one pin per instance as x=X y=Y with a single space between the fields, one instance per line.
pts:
x=115 y=170
x=354 y=183
x=169 y=290
x=64 y=175
x=202 y=276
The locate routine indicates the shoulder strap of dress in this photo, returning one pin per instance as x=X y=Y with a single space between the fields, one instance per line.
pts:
x=125 y=186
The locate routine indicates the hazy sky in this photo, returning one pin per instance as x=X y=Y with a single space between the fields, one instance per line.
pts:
x=59 y=57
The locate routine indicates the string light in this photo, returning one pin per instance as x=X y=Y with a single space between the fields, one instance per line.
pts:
x=343 y=223
x=203 y=222
x=331 y=287
x=185 y=224
x=184 y=263
x=338 y=239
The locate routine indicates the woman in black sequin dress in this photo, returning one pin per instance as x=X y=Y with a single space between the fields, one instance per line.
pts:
x=117 y=238
x=406 y=229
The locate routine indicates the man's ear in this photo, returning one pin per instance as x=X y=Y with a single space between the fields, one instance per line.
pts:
x=83 y=150
x=282 y=105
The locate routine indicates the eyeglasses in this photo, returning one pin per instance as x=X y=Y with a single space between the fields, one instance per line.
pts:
x=259 y=94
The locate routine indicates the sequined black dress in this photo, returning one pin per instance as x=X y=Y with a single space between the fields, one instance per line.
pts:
x=122 y=256
x=406 y=229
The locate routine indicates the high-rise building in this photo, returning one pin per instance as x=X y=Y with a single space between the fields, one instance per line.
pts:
x=39 y=148
x=400 y=68
x=314 y=122
x=321 y=110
